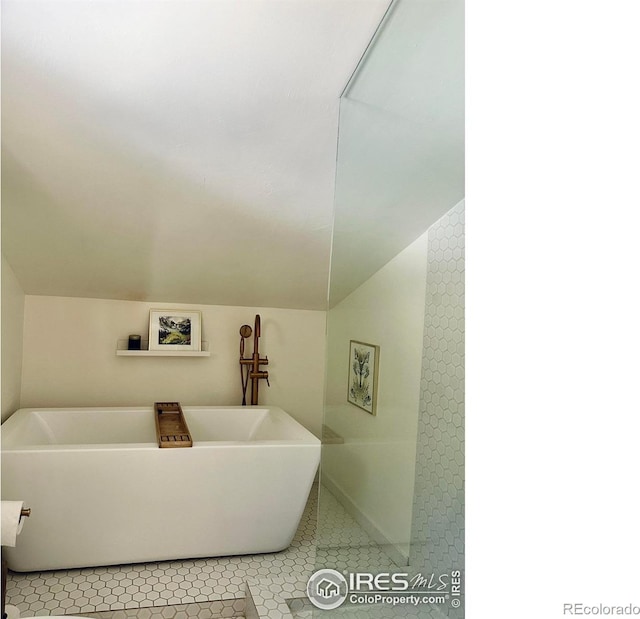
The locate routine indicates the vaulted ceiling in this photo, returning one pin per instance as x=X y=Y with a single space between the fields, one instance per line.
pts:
x=175 y=150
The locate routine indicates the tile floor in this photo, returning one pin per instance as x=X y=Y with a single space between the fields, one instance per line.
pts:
x=342 y=544
x=203 y=588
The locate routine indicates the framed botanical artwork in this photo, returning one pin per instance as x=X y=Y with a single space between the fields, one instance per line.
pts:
x=362 y=390
x=175 y=330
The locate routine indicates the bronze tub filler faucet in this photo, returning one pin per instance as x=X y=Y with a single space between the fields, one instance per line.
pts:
x=250 y=366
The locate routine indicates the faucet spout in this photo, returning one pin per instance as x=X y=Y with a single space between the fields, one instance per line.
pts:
x=256 y=334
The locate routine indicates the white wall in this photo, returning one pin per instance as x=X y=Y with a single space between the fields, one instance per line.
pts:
x=374 y=469
x=70 y=360
x=12 y=329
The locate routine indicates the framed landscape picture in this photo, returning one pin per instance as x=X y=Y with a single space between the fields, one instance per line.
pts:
x=175 y=330
x=362 y=389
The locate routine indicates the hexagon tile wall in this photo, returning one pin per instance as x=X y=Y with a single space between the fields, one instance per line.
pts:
x=437 y=533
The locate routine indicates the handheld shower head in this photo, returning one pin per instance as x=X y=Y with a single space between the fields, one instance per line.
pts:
x=245 y=332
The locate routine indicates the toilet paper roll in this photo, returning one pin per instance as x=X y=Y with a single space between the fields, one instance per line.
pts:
x=12 y=612
x=11 y=521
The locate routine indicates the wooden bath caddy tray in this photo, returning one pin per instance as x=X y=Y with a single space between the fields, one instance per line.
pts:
x=171 y=426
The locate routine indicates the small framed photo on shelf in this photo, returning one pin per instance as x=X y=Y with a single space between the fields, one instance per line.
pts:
x=175 y=330
x=362 y=389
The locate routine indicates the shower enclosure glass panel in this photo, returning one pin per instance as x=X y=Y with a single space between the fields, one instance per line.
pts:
x=386 y=504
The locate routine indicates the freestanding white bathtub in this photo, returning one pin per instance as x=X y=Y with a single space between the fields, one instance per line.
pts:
x=102 y=492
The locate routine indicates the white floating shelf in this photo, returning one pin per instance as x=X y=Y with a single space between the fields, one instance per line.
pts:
x=122 y=351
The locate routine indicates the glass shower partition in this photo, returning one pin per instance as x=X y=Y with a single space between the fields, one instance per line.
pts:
x=391 y=502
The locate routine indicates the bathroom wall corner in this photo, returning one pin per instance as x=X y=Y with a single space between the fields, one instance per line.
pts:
x=12 y=340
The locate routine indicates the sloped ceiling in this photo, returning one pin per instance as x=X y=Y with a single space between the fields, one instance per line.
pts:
x=174 y=150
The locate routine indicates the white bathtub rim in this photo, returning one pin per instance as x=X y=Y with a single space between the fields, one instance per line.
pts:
x=94 y=447
x=309 y=439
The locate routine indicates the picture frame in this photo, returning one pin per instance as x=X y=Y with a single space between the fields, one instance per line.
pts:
x=173 y=329
x=362 y=386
